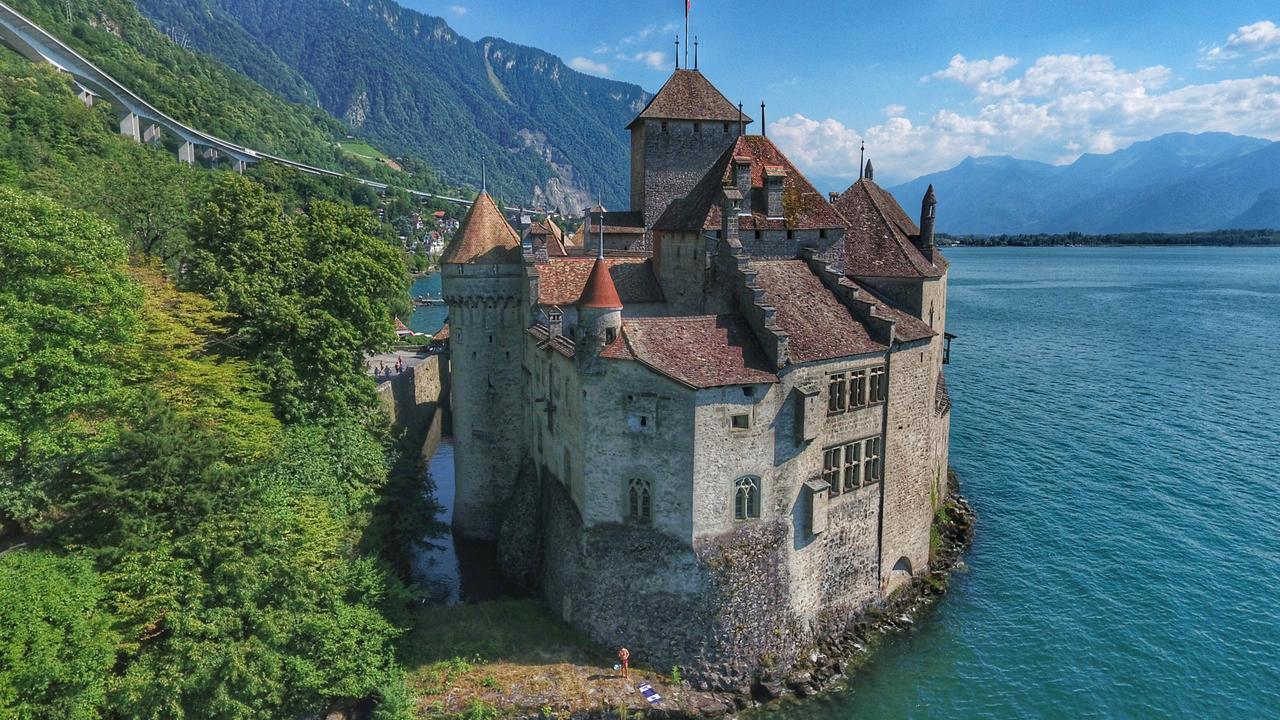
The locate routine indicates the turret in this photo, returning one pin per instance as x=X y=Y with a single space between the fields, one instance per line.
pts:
x=928 y=208
x=599 y=311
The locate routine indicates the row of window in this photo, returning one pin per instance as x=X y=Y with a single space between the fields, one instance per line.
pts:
x=857 y=389
x=697 y=127
x=847 y=467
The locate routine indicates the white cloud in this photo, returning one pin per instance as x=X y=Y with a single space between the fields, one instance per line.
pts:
x=1058 y=107
x=1261 y=39
x=894 y=110
x=655 y=59
x=587 y=65
x=458 y=10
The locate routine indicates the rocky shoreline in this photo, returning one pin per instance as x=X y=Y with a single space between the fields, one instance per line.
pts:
x=833 y=660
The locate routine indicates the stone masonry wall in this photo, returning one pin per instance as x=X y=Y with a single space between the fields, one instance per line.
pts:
x=676 y=159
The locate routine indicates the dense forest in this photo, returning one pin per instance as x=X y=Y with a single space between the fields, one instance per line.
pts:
x=1211 y=237
x=202 y=512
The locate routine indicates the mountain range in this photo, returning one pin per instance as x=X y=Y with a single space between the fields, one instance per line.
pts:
x=1178 y=182
x=545 y=132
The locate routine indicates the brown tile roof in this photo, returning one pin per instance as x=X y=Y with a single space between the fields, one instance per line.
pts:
x=441 y=335
x=908 y=327
x=559 y=343
x=803 y=207
x=687 y=95
x=485 y=236
x=819 y=325
x=600 y=291
x=700 y=351
x=562 y=280
x=878 y=236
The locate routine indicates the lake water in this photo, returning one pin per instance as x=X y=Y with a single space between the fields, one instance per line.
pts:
x=1116 y=427
x=427 y=319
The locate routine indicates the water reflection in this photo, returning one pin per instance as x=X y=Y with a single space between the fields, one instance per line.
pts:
x=452 y=570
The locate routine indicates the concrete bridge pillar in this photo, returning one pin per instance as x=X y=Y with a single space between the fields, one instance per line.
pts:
x=86 y=97
x=151 y=134
x=187 y=153
x=211 y=155
x=238 y=166
x=130 y=127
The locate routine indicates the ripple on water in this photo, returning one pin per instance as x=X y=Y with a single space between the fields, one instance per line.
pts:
x=1115 y=426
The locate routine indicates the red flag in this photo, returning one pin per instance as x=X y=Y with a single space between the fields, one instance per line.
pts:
x=687 y=4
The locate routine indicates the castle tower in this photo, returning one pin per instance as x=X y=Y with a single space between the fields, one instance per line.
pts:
x=677 y=138
x=482 y=285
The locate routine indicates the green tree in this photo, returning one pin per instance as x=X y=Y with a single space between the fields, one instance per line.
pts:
x=66 y=306
x=55 y=648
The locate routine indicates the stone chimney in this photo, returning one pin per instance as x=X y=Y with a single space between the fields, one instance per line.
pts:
x=869 y=172
x=742 y=181
x=730 y=209
x=555 y=321
x=832 y=197
x=773 y=177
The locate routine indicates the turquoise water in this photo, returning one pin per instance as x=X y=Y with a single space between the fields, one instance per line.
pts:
x=427 y=319
x=1116 y=427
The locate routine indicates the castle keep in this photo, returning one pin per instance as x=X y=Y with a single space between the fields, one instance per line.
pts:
x=714 y=426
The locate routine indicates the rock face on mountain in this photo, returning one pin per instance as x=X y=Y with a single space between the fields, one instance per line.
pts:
x=547 y=133
x=1173 y=183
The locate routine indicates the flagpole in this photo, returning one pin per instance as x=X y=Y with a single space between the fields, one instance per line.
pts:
x=686 y=32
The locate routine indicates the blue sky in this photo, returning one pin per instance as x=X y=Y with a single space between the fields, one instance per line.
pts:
x=928 y=83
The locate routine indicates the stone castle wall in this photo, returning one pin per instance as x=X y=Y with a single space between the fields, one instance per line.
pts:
x=486 y=344
x=674 y=160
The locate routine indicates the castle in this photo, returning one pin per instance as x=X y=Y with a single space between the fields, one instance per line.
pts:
x=715 y=427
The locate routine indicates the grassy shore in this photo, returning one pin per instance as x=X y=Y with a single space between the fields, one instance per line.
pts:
x=514 y=657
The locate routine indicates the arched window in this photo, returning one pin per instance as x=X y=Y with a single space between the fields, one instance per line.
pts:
x=746 y=497
x=640 y=500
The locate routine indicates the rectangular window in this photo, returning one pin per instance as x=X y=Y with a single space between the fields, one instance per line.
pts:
x=740 y=422
x=831 y=468
x=837 y=398
x=857 y=388
x=852 y=466
x=872 y=467
x=697 y=127
x=878 y=387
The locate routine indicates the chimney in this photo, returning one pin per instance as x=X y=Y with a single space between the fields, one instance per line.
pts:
x=869 y=172
x=555 y=321
x=742 y=181
x=773 y=177
x=832 y=197
x=928 y=208
x=730 y=209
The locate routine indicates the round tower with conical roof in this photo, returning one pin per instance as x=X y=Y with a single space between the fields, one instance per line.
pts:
x=482 y=285
x=599 y=313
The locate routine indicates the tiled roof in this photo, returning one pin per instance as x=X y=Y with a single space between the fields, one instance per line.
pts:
x=878 y=236
x=908 y=327
x=819 y=325
x=562 y=280
x=687 y=95
x=485 y=236
x=600 y=291
x=441 y=335
x=559 y=343
x=699 y=351
x=803 y=207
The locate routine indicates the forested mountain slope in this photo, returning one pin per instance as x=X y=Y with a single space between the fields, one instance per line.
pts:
x=201 y=91
x=546 y=132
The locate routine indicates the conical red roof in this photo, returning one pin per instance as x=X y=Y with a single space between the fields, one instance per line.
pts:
x=484 y=237
x=600 y=291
